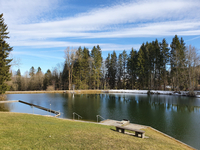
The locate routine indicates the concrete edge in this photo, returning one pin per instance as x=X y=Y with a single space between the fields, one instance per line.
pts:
x=144 y=128
x=171 y=137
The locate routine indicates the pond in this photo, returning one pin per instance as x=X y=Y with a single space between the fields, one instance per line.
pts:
x=176 y=116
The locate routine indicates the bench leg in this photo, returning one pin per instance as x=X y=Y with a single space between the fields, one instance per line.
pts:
x=117 y=129
x=136 y=134
x=142 y=135
x=122 y=130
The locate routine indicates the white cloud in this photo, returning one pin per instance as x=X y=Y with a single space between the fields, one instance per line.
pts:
x=134 y=19
x=59 y=44
x=26 y=11
x=38 y=54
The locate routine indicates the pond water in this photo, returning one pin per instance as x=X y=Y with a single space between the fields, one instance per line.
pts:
x=176 y=116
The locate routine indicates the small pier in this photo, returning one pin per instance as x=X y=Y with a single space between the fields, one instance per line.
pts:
x=37 y=106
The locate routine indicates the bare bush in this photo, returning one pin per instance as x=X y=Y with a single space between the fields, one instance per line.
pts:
x=50 y=88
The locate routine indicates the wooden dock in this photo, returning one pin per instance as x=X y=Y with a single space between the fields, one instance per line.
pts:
x=37 y=106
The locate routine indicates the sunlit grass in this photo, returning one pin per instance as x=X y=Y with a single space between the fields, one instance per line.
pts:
x=25 y=131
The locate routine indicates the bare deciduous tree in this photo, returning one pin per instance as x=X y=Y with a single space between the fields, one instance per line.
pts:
x=70 y=57
x=192 y=58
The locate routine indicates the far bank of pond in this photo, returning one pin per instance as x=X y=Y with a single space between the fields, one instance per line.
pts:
x=180 y=93
x=176 y=116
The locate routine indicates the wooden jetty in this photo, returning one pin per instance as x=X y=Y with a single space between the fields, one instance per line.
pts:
x=37 y=106
x=43 y=108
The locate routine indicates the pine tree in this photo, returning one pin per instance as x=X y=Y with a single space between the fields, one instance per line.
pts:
x=119 y=71
x=78 y=68
x=4 y=53
x=39 y=70
x=97 y=59
x=32 y=84
x=141 y=63
x=113 y=70
x=177 y=60
x=47 y=79
x=18 y=80
x=124 y=57
x=150 y=64
x=39 y=79
x=111 y=65
x=65 y=76
x=132 y=67
x=108 y=73
x=157 y=62
x=165 y=60
x=32 y=71
x=85 y=69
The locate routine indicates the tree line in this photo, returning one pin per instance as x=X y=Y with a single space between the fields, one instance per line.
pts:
x=155 y=66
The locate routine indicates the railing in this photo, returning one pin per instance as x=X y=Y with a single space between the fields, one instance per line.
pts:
x=77 y=115
x=100 y=117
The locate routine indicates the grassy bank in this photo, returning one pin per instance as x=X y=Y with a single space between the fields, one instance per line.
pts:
x=24 y=131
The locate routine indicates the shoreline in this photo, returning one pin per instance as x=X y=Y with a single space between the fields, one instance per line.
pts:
x=151 y=92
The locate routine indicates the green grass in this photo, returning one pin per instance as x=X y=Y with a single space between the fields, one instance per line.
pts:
x=25 y=131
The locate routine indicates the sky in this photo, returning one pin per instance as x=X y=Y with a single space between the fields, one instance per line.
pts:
x=40 y=30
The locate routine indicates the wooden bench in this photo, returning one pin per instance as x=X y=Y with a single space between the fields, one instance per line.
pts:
x=137 y=132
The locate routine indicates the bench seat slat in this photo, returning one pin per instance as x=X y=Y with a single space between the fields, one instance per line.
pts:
x=127 y=128
x=137 y=132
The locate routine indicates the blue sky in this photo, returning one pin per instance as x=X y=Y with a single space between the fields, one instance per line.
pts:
x=40 y=31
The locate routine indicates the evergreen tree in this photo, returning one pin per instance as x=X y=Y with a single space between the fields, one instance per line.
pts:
x=18 y=80
x=39 y=79
x=4 y=53
x=32 y=71
x=132 y=67
x=97 y=58
x=78 y=69
x=124 y=57
x=47 y=79
x=150 y=64
x=157 y=64
x=120 y=71
x=141 y=63
x=177 y=61
x=165 y=60
x=108 y=73
x=113 y=70
x=39 y=70
x=65 y=76
x=32 y=83
x=85 y=69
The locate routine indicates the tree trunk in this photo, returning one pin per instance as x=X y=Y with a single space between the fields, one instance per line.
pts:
x=69 y=81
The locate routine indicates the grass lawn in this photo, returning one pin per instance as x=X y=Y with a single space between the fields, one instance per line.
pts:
x=26 y=131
